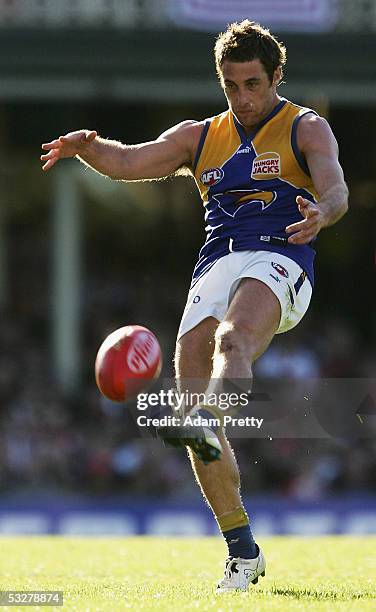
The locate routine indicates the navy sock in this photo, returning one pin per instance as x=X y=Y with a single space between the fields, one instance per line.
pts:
x=240 y=542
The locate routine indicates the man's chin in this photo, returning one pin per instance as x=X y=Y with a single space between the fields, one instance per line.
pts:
x=247 y=118
x=249 y=123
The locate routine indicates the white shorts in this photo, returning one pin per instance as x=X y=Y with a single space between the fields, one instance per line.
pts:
x=212 y=294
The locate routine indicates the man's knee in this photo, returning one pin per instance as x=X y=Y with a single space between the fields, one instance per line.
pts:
x=236 y=337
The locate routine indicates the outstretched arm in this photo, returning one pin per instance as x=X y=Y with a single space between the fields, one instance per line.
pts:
x=318 y=144
x=174 y=149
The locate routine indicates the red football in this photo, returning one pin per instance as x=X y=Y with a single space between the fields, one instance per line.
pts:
x=127 y=361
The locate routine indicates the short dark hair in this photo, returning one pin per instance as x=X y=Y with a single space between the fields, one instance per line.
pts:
x=246 y=41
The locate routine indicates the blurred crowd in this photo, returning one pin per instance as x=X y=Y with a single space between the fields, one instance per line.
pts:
x=84 y=444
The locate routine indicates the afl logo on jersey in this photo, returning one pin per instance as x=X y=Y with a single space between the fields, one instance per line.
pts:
x=266 y=166
x=212 y=177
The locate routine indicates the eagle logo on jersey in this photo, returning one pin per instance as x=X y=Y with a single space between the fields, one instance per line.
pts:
x=230 y=202
x=266 y=166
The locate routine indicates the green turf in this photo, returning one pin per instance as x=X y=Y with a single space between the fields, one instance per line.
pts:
x=142 y=573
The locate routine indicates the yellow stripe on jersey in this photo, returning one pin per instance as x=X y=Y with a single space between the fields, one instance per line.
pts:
x=221 y=142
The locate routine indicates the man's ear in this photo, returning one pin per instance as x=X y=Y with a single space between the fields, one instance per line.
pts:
x=278 y=76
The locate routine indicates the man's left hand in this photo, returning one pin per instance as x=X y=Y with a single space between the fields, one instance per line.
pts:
x=306 y=230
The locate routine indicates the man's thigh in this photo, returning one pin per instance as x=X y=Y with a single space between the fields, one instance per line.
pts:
x=256 y=311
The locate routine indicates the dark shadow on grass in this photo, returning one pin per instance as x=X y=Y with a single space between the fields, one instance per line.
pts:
x=321 y=595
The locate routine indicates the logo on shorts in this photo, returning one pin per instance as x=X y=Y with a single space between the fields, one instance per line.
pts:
x=196 y=299
x=275 y=277
x=280 y=269
x=266 y=166
x=212 y=176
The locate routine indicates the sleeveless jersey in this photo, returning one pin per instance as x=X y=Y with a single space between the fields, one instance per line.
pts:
x=249 y=185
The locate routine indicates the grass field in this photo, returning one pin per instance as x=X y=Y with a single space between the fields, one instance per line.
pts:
x=142 y=573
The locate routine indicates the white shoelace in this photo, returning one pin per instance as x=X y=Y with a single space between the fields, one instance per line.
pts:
x=228 y=570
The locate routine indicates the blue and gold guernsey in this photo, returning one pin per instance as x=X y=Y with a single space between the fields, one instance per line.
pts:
x=249 y=186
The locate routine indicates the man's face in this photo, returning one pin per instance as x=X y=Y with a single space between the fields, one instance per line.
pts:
x=248 y=90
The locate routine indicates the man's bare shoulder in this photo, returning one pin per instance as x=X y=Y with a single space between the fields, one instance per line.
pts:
x=313 y=129
x=187 y=127
x=185 y=137
x=187 y=131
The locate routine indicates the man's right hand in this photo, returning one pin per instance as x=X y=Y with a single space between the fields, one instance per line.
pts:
x=70 y=145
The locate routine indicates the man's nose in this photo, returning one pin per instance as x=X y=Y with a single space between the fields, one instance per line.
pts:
x=243 y=98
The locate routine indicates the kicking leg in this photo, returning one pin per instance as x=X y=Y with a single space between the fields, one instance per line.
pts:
x=193 y=363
